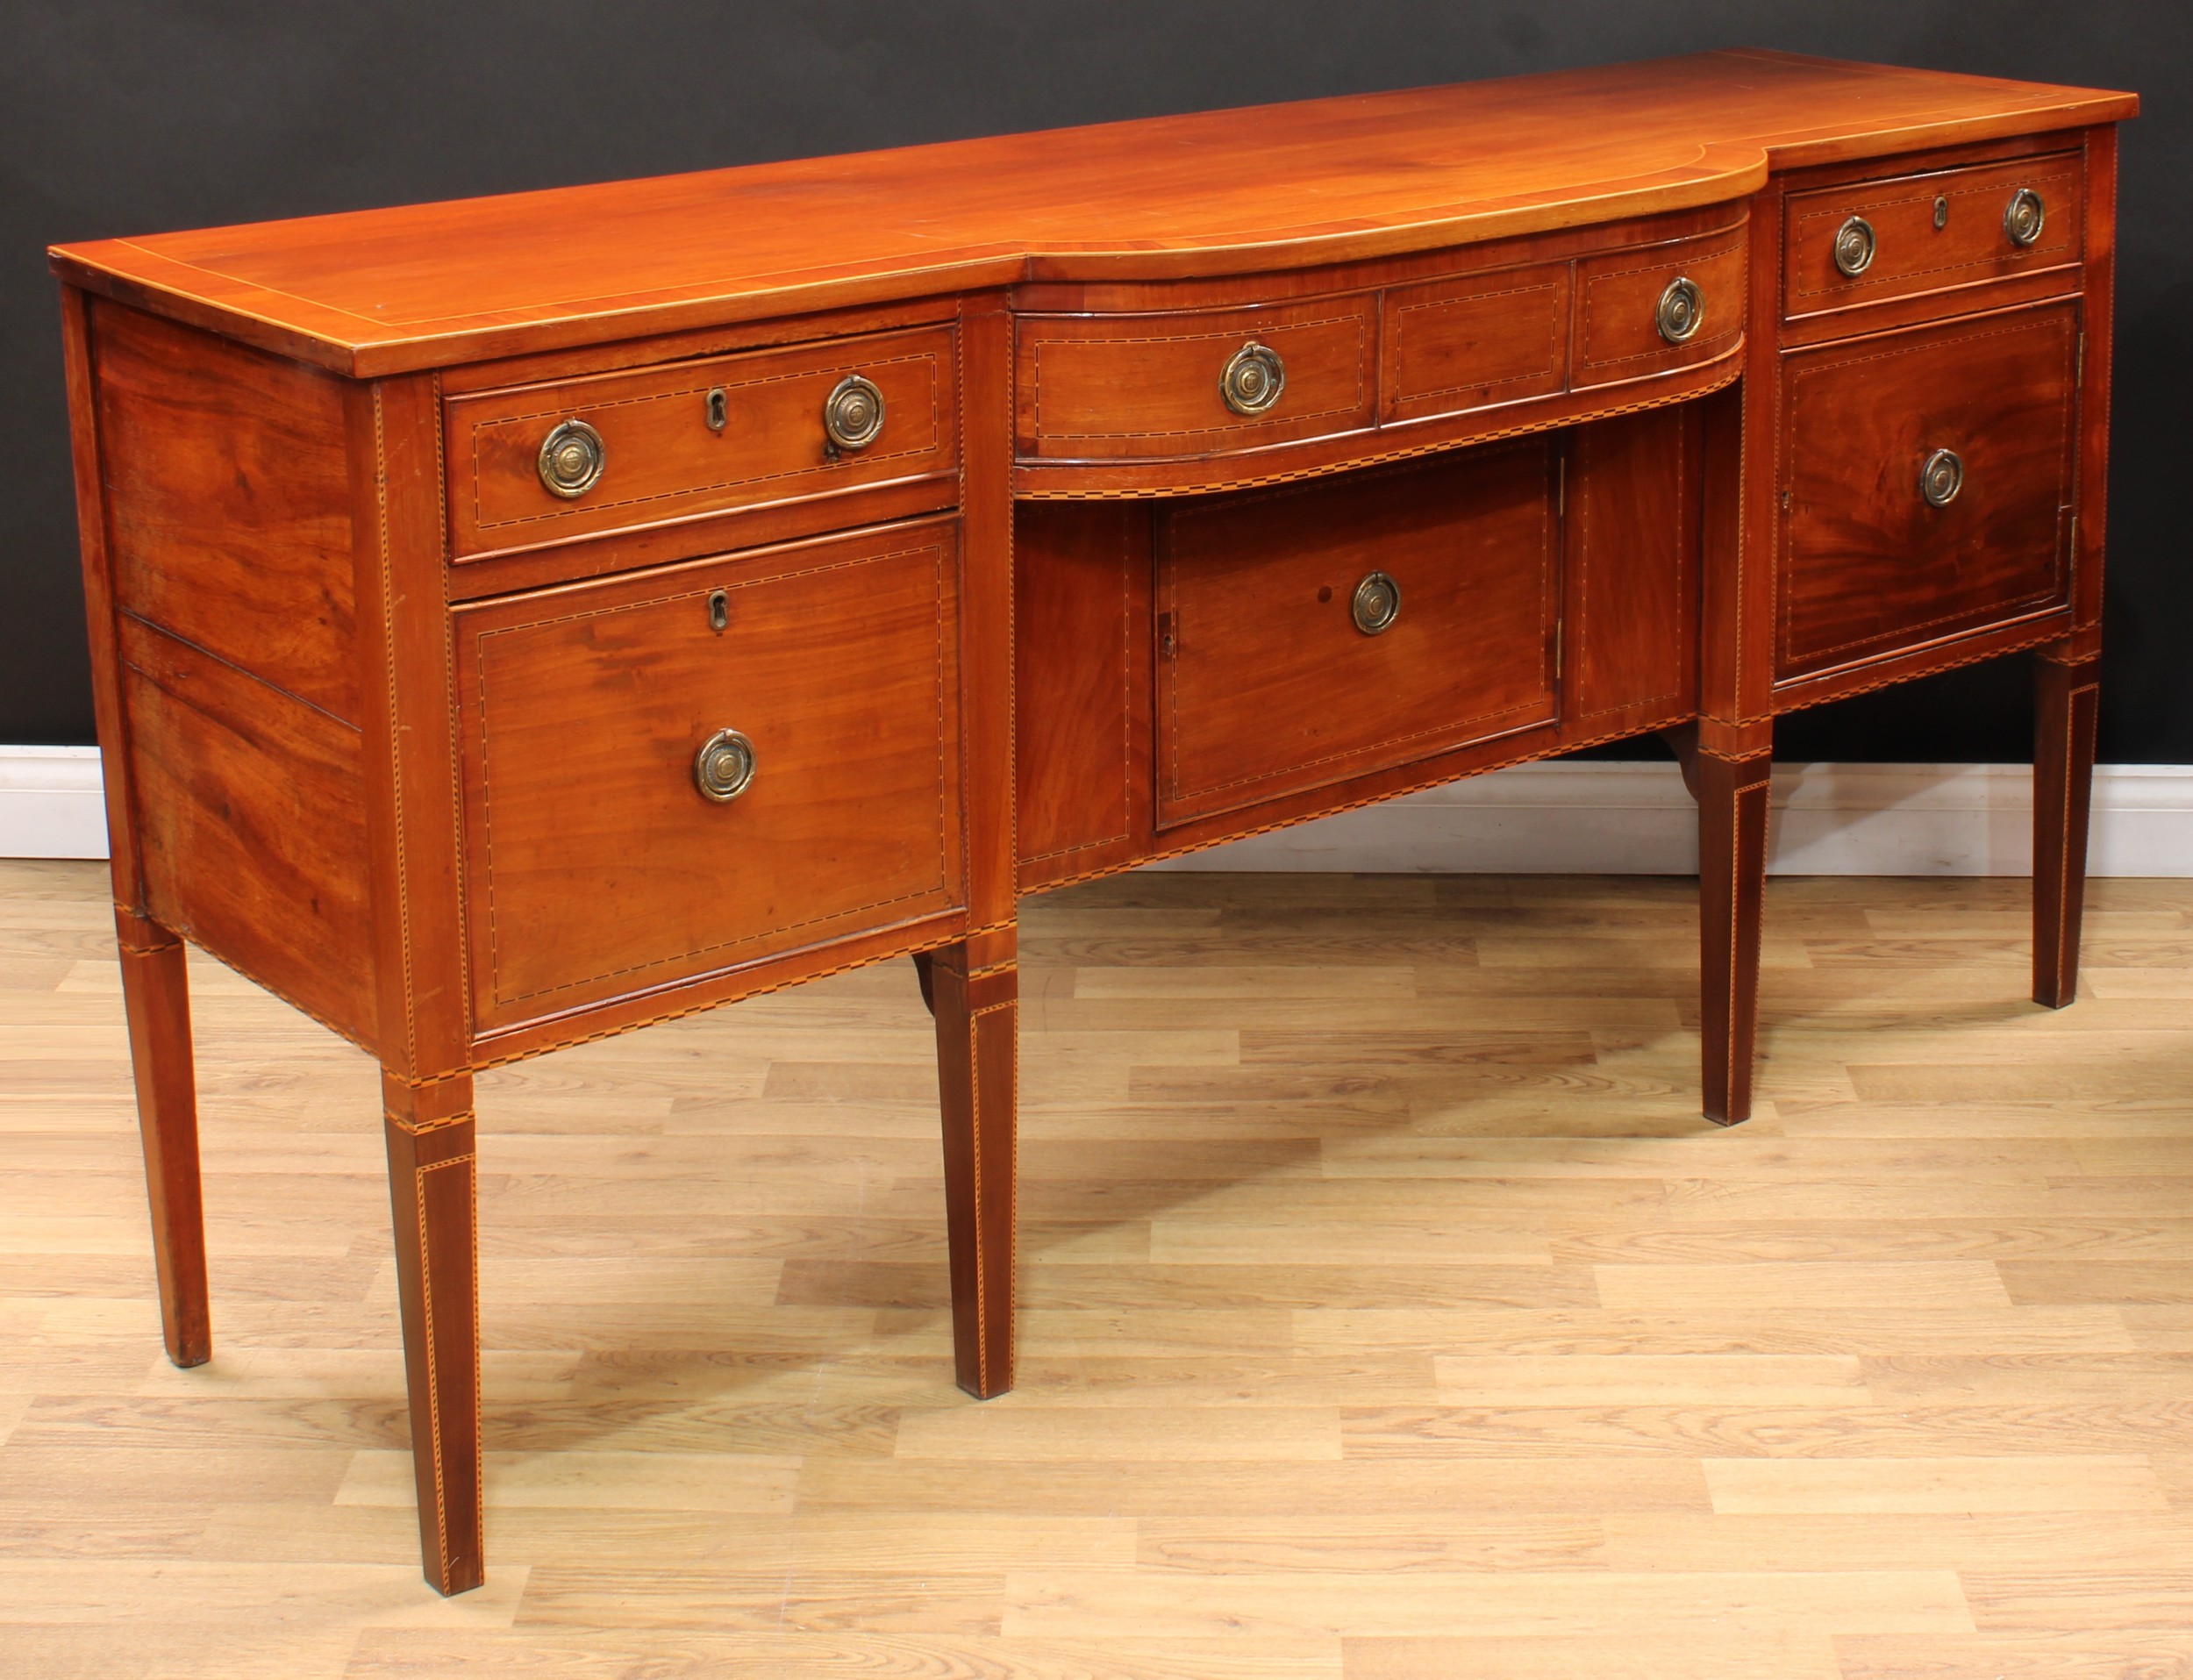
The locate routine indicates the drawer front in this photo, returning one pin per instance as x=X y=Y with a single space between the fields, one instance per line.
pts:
x=671 y=448
x=1265 y=684
x=1870 y=566
x=1628 y=322
x=1101 y=388
x=1928 y=232
x=1455 y=345
x=597 y=867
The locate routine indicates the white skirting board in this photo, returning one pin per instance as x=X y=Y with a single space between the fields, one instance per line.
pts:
x=1601 y=817
x=1593 y=817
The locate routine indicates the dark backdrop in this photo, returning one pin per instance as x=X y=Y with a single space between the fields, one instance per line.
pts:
x=127 y=117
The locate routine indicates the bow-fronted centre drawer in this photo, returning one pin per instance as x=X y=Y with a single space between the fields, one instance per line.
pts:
x=1939 y=231
x=532 y=464
x=1195 y=382
x=694 y=768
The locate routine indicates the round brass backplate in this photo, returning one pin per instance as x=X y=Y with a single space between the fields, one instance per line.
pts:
x=1681 y=311
x=1376 y=603
x=1854 y=246
x=1942 y=475
x=1252 y=379
x=572 y=457
x=854 y=414
x=724 y=768
x=2023 y=216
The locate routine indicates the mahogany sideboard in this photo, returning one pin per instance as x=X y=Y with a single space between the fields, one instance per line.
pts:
x=520 y=620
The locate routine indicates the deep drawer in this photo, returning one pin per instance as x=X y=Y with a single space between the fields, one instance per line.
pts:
x=1933 y=231
x=1628 y=322
x=1870 y=566
x=1118 y=387
x=1267 y=683
x=597 y=866
x=671 y=447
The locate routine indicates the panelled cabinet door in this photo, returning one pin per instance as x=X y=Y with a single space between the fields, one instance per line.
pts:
x=698 y=768
x=1319 y=632
x=1927 y=485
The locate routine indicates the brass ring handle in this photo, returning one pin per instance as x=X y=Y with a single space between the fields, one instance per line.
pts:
x=853 y=415
x=1252 y=379
x=1942 y=475
x=1378 y=603
x=1681 y=311
x=724 y=768
x=572 y=457
x=2023 y=217
x=1854 y=246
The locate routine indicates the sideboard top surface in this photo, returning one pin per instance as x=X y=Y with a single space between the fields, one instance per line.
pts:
x=381 y=292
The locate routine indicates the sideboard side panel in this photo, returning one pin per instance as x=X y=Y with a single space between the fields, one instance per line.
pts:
x=228 y=509
x=232 y=736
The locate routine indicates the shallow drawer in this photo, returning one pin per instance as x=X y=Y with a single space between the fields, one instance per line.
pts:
x=1270 y=682
x=1928 y=486
x=598 y=867
x=693 y=437
x=1644 y=311
x=1206 y=381
x=1455 y=345
x=1928 y=232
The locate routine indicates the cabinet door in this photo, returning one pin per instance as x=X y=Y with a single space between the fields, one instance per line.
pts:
x=1926 y=485
x=1271 y=679
x=597 y=866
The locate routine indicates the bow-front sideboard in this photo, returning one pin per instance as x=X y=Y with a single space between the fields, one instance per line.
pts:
x=520 y=620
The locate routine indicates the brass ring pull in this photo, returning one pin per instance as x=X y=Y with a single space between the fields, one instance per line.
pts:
x=1252 y=379
x=2023 y=217
x=1378 y=603
x=1681 y=311
x=1942 y=475
x=1854 y=246
x=572 y=457
x=852 y=416
x=724 y=768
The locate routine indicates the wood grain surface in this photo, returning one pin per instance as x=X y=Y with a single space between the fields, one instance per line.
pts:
x=1257 y=189
x=1389 y=1312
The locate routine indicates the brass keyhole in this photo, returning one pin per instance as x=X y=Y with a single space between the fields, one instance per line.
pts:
x=718 y=409
x=718 y=610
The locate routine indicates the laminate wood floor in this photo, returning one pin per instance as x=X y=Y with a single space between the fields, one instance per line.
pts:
x=1389 y=1313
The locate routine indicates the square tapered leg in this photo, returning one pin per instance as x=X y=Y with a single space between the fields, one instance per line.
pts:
x=434 y=1193
x=156 y=999
x=974 y=990
x=2067 y=696
x=1732 y=892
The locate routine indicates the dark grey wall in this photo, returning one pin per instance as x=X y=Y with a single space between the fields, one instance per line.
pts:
x=122 y=117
